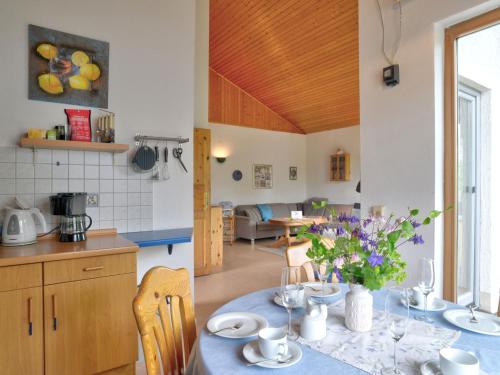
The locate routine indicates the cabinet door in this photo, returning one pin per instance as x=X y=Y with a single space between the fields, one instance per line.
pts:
x=21 y=348
x=89 y=325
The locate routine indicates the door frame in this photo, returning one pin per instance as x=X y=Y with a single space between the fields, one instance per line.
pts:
x=450 y=140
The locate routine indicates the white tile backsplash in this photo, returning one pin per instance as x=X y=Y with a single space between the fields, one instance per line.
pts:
x=125 y=196
x=25 y=170
x=43 y=186
x=24 y=155
x=43 y=171
x=7 y=186
x=76 y=157
x=7 y=170
x=105 y=158
x=60 y=156
x=43 y=156
x=76 y=186
x=105 y=186
x=60 y=171
x=60 y=186
x=7 y=154
x=91 y=158
x=91 y=171
x=106 y=172
x=76 y=171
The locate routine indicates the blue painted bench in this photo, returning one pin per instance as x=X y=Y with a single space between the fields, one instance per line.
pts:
x=168 y=237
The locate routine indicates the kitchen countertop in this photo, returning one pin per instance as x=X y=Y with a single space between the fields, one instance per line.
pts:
x=99 y=242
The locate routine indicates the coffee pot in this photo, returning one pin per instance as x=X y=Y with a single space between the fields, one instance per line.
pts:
x=313 y=326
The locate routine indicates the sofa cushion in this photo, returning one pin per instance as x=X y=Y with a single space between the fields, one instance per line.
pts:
x=268 y=227
x=253 y=213
x=240 y=210
x=345 y=209
x=265 y=211
x=280 y=210
x=294 y=207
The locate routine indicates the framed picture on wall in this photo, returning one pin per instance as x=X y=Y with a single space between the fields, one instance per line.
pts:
x=262 y=176
x=67 y=68
x=292 y=174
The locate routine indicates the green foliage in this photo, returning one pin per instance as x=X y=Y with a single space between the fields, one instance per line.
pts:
x=364 y=251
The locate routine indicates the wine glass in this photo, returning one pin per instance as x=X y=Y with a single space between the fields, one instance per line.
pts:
x=426 y=279
x=290 y=295
x=321 y=271
x=396 y=317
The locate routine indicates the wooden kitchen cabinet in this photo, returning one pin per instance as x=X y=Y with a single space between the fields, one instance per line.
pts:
x=21 y=348
x=78 y=298
x=89 y=325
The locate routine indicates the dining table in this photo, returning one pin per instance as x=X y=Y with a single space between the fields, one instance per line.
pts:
x=214 y=355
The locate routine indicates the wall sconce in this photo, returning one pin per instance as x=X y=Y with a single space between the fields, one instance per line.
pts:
x=220 y=159
x=220 y=154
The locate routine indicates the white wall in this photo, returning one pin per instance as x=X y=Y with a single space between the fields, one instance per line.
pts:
x=150 y=85
x=401 y=127
x=319 y=148
x=246 y=147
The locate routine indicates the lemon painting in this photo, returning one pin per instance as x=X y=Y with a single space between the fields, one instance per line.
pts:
x=67 y=68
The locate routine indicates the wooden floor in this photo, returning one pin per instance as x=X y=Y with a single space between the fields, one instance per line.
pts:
x=245 y=270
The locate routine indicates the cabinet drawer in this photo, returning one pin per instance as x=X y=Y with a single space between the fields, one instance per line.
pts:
x=20 y=277
x=88 y=268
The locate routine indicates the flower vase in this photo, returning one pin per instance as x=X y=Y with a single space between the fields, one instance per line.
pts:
x=358 y=308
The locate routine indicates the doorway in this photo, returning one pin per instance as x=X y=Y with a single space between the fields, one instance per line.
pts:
x=472 y=161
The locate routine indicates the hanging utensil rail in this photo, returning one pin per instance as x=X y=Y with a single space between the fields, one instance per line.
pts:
x=142 y=138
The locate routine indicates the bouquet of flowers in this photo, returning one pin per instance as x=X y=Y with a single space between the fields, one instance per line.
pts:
x=364 y=251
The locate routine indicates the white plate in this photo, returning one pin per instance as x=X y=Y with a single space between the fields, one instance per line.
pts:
x=433 y=368
x=252 y=354
x=437 y=305
x=314 y=289
x=251 y=324
x=488 y=324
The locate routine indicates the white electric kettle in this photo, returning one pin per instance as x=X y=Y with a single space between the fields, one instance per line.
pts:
x=19 y=226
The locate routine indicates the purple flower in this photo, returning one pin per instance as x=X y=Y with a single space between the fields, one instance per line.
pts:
x=340 y=230
x=338 y=262
x=364 y=246
x=337 y=273
x=344 y=218
x=367 y=222
x=417 y=239
x=355 y=258
x=415 y=223
x=373 y=244
x=375 y=260
x=315 y=228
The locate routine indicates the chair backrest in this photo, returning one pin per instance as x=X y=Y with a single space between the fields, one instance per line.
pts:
x=296 y=257
x=164 y=313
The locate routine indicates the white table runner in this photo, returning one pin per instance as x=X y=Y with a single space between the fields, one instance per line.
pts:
x=373 y=351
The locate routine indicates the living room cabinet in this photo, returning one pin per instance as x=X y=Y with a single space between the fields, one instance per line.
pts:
x=340 y=167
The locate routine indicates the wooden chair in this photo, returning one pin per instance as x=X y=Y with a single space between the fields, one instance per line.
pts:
x=296 y=257
x=164 y=313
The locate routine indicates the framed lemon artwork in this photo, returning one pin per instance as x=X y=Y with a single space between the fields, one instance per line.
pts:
x=67 y=68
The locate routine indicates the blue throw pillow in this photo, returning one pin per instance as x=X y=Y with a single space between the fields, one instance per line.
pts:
x=265 y=211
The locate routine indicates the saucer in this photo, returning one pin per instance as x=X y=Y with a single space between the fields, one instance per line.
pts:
x=252 y=354
x=437 y=305
x=432 y=368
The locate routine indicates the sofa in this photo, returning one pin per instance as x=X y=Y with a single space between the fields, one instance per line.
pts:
x=250 y=226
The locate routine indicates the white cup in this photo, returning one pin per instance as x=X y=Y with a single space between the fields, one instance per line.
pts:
x=420 y=298
x=273 y=342
x=458 y=362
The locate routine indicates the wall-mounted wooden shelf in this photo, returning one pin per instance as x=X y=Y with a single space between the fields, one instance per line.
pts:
x=72 y=145
x=340 y=167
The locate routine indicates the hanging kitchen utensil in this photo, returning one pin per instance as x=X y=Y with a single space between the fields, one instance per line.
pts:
x=177 y=152
x=165 y=172
x=144 y=158
x=156 y=171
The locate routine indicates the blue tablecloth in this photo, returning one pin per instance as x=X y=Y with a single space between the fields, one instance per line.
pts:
x=215 y=355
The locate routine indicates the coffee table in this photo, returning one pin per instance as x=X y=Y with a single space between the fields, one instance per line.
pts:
x=288 y=223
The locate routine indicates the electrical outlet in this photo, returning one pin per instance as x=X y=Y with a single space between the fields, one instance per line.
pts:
x=92 y=200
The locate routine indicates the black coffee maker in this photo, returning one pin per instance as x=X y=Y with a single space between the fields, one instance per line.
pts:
x=71 y=207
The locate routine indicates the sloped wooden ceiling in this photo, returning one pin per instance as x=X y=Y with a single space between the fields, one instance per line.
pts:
x=298 y=57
